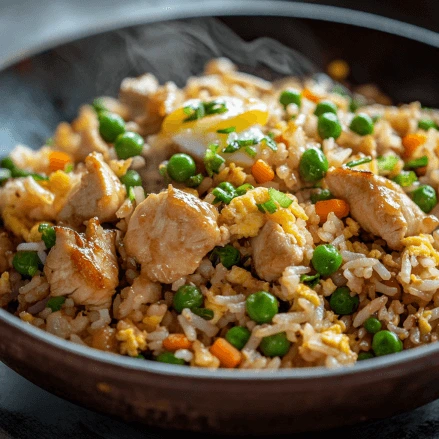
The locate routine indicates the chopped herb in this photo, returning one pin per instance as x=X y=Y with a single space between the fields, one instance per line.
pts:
x=69 y=168
x=131 y=194
x=7 y=163
x=226 y=130
x=227 y=255
x=321 y=195
x=269 y=206
x=406 y=178
x=55 y=303
x=358 y=162
x=205 y=313
x=417 y=163
x=50 y=141
x=203 y=109
x=4 y=174
x=387 y=163
x=251 y=151
x=376 y=117
x=98 y=105
x=280 y=197
x=310 y=280
x=212 y=160
x=48 y=234
x=270 y=134
x=222 y=195
x=241 y=190
x=232 y=147
x=270 y=143
x=194 y=181
x=140 y=357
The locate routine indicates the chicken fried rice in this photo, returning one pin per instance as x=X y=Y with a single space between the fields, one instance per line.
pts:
x=234 y=223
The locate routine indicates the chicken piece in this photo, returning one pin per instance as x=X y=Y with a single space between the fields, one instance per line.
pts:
x=81 y=137
x=83 y=266
x=134 y=92
x=100 y=194
x=274 y=250
x=169 y=233
x=379 y=205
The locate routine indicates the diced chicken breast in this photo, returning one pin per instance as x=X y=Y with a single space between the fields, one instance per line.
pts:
x=100 y=194
x=274 y=250
x=380 y=206
x=83 y=266
x=169 y=233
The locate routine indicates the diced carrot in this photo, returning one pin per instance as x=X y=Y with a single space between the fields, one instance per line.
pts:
x=173 y=342
x=411 y=142
x=58 y=160
x=308 y=94
x=339 y=207
x=228 y=355
x=262 y=171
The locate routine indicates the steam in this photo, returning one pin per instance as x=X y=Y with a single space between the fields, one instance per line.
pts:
x=63 y=79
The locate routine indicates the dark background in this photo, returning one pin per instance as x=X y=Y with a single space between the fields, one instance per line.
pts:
x=28 y=412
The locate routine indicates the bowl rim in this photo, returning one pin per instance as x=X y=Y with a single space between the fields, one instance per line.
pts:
x=143 y=13
x=109 y=359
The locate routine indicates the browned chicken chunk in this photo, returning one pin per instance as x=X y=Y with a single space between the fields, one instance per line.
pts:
x=100 y=194
x=169 y=233
x=380 y=206
x=274 y=250
x=83 y=266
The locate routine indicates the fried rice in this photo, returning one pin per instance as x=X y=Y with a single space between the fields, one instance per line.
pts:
x=165 y=268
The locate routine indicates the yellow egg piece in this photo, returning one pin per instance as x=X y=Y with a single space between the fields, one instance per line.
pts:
x=237 y=113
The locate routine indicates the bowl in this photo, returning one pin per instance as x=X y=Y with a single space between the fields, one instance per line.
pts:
x=48 y=87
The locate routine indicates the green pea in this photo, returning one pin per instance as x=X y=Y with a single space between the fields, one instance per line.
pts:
x=227 y=255
x=110 y=126
x=386 y=342
x=128 y=144
x=342 y=303
x=238 y=336
x=326 y=259
x=372 y=325
x=261 y=306
x=290 y=96
x=425 y=197
x=131 y=179
x=313 y=165
x=181 y=167
x=276 y=345
x=426 y=124
x=187 y=296
x=7 y=163
x=169 y=357
x=98 y=105
x=26 y=263
x=48 y=234
x=362 y=124
x=55 y=303
x=325 y=107
x=328 y=126
x=365 y=356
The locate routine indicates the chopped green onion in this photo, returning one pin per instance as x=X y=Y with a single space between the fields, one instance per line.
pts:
x=205 y=313
x=226 y=130
x=212 y=160
x=232 y=147
x=215 y=107
x=417 y=163
x=50 y=141
x=140 y=357
x=322 y=195
x=241 y=190
x=55 y=303
x=222 y=195
x=98 y=105
x=387 y=163
x=270 y=134
x=406 y=178
x=358 y=162
x=194 y=181
x=311 y=280
x=280 y=197
x=48 y=234
x=193 y=112
x=250 y=150
x=69 y=168
x=270 y=143
x=203 y=109
x=131 y=194
x=269 y=206
x=5 y=174
x=227 y=255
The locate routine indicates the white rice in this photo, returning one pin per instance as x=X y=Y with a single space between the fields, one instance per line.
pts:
x=184 y=354
x=368 y=310
x=31 y=246
x=199 y=323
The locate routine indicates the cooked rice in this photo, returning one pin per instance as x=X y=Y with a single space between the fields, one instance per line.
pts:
x=122 y=302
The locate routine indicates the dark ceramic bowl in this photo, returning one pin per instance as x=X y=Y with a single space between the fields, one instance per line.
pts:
x=49 y=87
